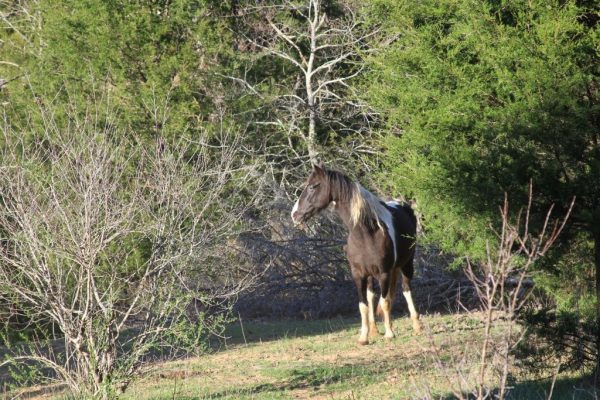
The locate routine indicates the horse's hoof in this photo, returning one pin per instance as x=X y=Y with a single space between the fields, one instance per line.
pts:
x=417 y=327
x=389 y=336
x=373 y=332
x=363 y=342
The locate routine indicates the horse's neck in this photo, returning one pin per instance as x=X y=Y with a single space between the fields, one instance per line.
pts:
x=342 y=207
x=343 y=210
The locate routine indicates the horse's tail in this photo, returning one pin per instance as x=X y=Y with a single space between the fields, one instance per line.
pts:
x=392 y=290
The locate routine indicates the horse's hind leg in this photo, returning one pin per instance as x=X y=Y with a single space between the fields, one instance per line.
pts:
x=373 y=332
x=387 y=282
x=414 y=315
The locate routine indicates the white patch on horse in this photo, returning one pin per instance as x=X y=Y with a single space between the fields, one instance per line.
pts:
x=383 y=214
x=393 y=203
x=295 y=209
x=386 y=217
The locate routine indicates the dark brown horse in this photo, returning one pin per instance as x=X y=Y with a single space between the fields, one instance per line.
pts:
x=381 y=242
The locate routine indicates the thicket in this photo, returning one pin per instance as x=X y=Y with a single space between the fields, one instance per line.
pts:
x=482 y=97
x=450 y=104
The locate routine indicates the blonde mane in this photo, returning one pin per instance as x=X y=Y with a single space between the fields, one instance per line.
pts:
x=365 y=207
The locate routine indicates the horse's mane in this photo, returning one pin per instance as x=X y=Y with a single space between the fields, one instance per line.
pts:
x=365 y=207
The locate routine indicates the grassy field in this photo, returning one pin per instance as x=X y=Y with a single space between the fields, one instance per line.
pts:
x=321 y=360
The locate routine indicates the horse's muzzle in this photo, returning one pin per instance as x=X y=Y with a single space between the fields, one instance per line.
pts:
x=300 y=219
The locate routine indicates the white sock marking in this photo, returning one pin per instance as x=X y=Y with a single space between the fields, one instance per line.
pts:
x=295 y=209
x=386 y=307
x=364 y=326
x=411 y=304
x=370 y=299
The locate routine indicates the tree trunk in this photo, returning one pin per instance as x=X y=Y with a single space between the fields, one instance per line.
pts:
x=312 y=151
x=597 y=264
x=310 y=93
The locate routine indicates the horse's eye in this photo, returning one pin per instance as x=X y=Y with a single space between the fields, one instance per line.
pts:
x=313 y=187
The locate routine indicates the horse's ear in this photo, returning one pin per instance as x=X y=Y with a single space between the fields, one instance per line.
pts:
x=319 y=166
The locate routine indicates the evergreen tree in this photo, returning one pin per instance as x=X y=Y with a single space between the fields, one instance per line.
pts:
x=156 y=59
x=484 y=97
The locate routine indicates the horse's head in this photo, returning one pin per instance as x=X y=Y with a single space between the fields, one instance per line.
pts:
x=315 y=196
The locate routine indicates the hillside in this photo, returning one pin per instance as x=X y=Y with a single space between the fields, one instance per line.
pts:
x=320 y=360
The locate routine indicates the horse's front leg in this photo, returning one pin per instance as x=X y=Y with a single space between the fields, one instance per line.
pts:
x=361 y=286
x=385 y=303
x=373 y=332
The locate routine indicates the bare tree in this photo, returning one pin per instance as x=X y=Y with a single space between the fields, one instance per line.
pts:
x=324 y=51
x=110 y=244
x=503 y=284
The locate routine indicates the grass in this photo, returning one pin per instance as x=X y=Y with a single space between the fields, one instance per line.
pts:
x=321 y=360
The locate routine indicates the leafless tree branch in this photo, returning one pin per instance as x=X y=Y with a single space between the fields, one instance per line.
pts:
x=110 y=241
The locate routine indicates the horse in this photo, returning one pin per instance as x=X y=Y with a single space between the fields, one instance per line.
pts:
x=381 y=242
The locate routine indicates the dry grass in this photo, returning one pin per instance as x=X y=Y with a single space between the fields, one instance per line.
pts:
x=321 y=360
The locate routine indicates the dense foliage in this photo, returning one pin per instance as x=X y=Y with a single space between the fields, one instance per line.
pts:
x=483 y=97
x=452 y=104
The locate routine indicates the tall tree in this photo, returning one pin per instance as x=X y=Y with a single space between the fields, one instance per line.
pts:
x=149 y=55
x=485 y=96
x=312 y=50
